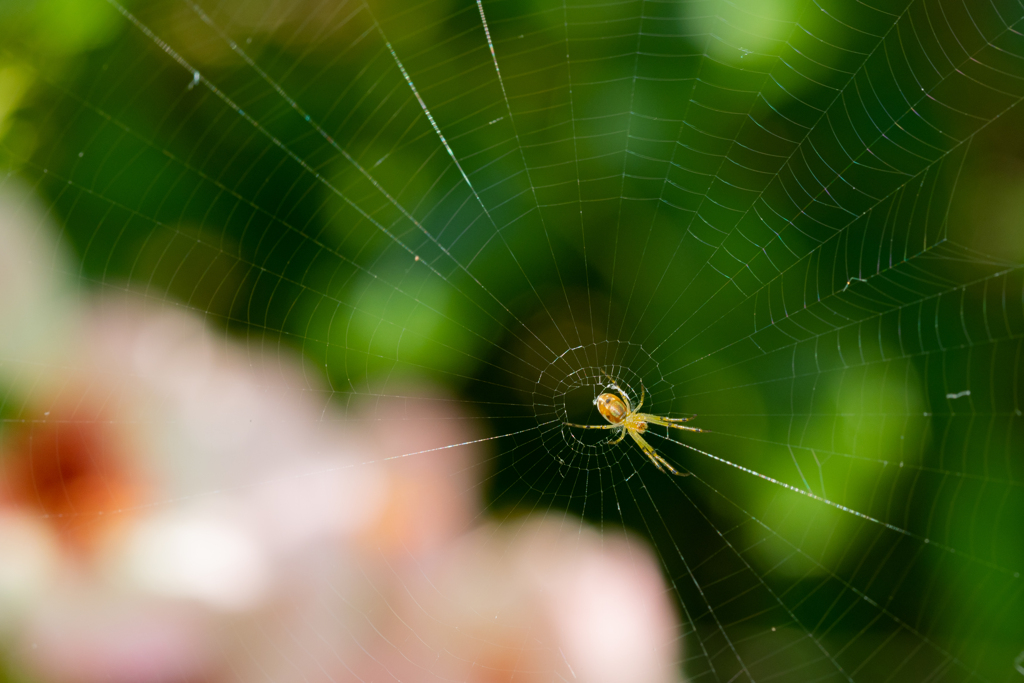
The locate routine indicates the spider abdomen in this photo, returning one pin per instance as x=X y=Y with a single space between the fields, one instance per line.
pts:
x=611 y=408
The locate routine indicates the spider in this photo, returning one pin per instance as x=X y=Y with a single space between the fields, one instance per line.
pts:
x=620 y=413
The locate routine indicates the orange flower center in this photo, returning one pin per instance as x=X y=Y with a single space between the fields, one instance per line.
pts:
x=72 y=471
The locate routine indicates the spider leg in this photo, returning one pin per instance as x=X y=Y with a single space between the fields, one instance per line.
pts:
x=641 y=403
x=653 y=456
x=570 y=424
x=668 y=422
x=621 y=436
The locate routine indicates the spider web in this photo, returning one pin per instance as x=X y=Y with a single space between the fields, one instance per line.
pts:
x=748 y=211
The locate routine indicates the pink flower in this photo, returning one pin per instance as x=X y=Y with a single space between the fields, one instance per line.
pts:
x=166 y=482
x=178 y=506
x=540 y=599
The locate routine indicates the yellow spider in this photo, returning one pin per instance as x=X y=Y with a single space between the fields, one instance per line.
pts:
x=618 y=411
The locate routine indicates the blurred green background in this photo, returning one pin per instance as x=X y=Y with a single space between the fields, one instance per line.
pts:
x=801 y=221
